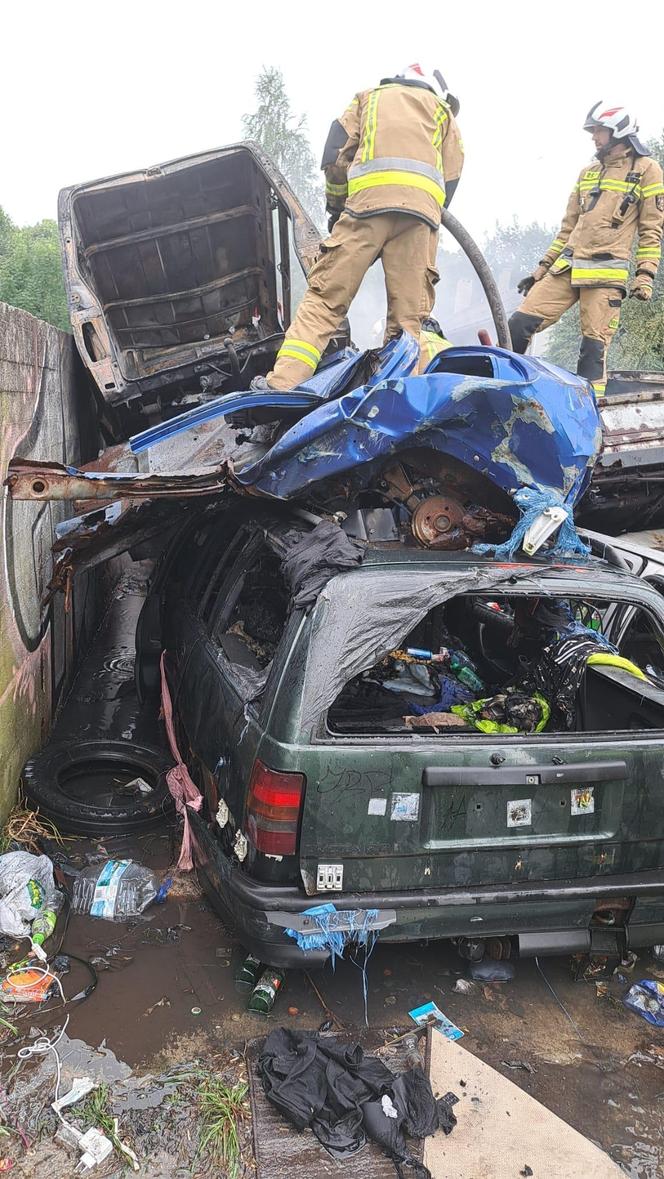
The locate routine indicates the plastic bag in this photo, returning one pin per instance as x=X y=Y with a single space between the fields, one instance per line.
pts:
x=27 y=888
x=115 y=890
x=646 y=997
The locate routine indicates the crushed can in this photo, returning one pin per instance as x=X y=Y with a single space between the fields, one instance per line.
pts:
x=263 y=996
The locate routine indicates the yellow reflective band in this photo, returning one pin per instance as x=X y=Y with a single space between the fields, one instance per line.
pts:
x=649 y=252
x=303 y=346
x=437 y=141
x=295 y=354
x=409 y=179
x=608 y=275
x=556 y=246
x=609 y=185
x=336 y=189
x=599 y=388
x=652 y=190
x=370 y=128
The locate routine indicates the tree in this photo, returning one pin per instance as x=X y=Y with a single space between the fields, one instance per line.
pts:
x=283 y=135
x=31 y=270
x=639 y=341
x=512 y=252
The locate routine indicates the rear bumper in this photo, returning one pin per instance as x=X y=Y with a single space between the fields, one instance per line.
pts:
x=547 y=917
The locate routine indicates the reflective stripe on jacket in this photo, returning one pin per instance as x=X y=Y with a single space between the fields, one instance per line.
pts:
x=613 y=200
x=393 y=150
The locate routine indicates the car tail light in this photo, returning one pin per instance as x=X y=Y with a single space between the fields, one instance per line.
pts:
x=274 y=800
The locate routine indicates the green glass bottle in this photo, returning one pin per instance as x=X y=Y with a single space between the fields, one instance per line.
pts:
x=249 y=973
x=263 y=996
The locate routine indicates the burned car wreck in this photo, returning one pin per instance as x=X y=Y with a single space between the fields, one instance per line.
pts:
x=399 y=679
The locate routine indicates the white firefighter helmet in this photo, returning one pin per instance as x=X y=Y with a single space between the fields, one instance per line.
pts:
x=434 y=80
x=420 y=73
x=615 y=119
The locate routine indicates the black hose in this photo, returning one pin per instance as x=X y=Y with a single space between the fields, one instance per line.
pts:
x=479 y=264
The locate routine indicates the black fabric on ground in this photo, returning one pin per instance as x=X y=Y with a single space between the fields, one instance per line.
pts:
x=336 y=1090
x=315 y=557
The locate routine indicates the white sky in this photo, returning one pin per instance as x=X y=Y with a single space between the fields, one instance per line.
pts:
x=94 y=89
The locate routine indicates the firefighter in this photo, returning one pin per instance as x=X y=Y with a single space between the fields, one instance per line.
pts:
x=391 y=162
x=619 y=195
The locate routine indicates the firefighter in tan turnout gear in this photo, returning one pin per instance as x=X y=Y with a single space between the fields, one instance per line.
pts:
x=391 y=162
x=618 y=196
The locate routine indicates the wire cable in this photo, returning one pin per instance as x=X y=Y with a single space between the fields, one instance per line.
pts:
x=559 y=1001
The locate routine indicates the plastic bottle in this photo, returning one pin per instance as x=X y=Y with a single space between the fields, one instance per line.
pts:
x=115 y=890
x=45 y=921
x=249 y=973
x=464 y=669
x=263 y=996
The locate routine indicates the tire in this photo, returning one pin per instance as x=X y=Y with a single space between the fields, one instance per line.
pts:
x=76 y=786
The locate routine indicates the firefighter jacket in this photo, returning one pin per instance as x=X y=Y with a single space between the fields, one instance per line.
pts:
x=613 y=200
x=395 y=149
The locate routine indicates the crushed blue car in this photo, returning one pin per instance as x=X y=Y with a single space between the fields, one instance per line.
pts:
x=480 y=426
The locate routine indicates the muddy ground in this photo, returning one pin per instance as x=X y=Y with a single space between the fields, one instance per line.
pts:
x=167 y=1010
x=166 y=1015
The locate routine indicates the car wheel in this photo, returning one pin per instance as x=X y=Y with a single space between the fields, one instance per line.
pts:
x=100 y=787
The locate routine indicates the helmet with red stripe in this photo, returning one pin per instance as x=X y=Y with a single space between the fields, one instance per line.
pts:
x=615 y=119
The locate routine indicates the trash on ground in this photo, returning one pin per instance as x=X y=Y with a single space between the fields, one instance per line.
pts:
x=593 y=967
x=163 y=1002
x=463 y=986
x=29 y=982
x=340 y=1092
x=27 y=895
x=114 y=891
x=248 y=973
x=490 y=970
x=264 y=994
x=430 y=1013
x=80 y=1088
x=646 y=998
x=658 y=953
x=518 y=1064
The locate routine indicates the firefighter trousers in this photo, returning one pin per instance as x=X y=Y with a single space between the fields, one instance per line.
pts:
x=404 y=245
x=599 y=307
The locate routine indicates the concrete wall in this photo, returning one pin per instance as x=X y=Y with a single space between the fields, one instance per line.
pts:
x=42 y=404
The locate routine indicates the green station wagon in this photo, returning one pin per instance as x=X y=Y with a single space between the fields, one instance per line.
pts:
x=306 y=729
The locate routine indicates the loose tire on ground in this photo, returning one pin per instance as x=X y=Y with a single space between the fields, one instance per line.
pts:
x=80 y=786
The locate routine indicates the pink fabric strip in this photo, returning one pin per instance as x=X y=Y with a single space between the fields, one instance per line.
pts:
x=184 y=792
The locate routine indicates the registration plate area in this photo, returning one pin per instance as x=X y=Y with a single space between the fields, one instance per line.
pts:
x=457 y=817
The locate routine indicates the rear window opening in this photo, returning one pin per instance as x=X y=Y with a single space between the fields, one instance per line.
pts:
x=514 y=665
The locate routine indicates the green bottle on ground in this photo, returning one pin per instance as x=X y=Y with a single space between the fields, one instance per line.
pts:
x=249 y=973
x=263 y=996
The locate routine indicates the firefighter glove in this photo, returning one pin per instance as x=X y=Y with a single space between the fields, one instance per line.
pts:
x=641 y=287
x=526 y=283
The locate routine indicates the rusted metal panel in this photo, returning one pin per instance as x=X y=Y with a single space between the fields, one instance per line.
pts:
x=211 y=263
x=51 y=481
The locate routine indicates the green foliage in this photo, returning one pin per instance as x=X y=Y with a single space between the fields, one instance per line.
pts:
x=222 y=1108
x=31 y=270
x=517 y=246
x=639 y=341
x=284 y=137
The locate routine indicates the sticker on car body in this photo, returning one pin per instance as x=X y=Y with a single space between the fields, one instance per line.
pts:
x=520 y=812
x=583 y=800
x=377 y=806
x=405 y=808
